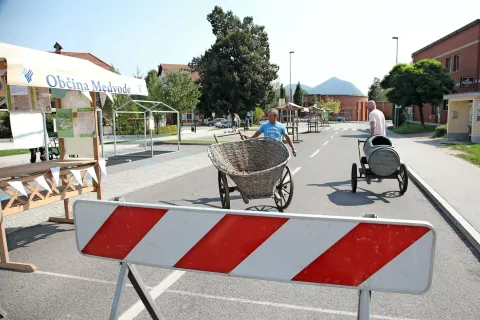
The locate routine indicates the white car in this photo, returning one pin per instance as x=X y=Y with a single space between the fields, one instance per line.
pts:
x=263 y=121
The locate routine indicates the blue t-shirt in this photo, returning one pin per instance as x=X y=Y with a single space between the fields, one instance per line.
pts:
x=276 y=131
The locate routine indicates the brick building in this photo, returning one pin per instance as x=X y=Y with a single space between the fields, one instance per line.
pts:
x=459 y=52
x=353 y=108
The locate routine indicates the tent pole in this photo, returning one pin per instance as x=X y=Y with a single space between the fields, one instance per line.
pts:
x=114 y=133
x=151 y=135
x=145 y=130
x=178 y=131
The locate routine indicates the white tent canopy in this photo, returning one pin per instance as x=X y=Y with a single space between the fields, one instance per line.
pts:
x=28 y=67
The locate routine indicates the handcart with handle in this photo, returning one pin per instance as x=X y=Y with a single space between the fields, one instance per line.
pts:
x=256 y=168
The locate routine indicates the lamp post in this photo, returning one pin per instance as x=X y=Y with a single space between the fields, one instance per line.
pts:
x=290 y=100
x=396 y=62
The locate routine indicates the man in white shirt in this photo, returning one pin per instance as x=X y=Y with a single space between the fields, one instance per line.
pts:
x=376 y=118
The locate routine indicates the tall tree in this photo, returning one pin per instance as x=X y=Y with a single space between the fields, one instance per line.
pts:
x=426 y=81
x=298 y=95
x=235 y=72
x=314 y=100
x=282 y=92
x=333 y=106
x=376 y=92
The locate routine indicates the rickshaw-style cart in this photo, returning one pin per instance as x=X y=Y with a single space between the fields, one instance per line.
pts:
x=257 y=168
x=380 y=162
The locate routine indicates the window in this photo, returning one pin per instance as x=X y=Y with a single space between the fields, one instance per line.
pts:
x=445 y=105
x=456 y=63
x=448 y=65
x=189 y=116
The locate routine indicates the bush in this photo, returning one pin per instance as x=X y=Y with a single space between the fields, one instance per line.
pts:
x=167 y=129
x=440 y=131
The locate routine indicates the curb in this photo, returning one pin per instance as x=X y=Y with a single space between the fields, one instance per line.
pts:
x=472 y=235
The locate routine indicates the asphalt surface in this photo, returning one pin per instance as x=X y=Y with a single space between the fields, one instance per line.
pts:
x=70 y=286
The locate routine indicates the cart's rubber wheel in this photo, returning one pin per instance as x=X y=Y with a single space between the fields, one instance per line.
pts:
x=403 y=178
x=284 y=190
x=224 y=190
x=354 y=177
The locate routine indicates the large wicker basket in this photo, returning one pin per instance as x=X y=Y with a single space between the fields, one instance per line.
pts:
x=254 y=165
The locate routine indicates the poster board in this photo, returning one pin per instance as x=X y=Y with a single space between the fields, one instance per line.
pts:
x=27 y=130
x=78 y=136
x=23 y=99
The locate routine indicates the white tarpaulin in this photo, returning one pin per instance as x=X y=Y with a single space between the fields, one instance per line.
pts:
x=27 y=130
x=28 y=67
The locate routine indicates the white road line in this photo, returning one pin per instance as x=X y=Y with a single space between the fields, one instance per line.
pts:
x=328 y=128
x=336 y=129
x=331 y=137
x=345 y=129
x=296 y=170
x=281 y=305
x=325 y=143
x=69 y=276
x=336 y=132
x=138 y=307
x=315 y=153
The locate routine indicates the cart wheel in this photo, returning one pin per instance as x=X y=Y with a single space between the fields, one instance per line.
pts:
x=403 y=178
x=284 y=190
x=224 y=190
x=354 y=178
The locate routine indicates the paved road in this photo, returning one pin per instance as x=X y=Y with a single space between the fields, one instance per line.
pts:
x=70 y=286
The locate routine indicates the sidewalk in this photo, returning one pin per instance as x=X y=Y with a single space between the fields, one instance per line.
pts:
x=454 y=179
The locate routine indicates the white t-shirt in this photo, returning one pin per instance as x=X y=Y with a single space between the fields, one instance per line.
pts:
x=379 y=119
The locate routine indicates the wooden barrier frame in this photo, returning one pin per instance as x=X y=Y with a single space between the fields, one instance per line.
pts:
x=27 y=174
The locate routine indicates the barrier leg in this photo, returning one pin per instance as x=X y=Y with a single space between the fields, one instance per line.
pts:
x=364 y=299
x=122 y=277
x=3 y=314
x=143 y=293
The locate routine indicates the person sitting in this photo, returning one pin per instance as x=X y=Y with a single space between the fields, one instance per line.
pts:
x=274 y=129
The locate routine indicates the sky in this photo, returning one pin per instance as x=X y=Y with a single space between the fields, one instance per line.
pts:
x=348 y=39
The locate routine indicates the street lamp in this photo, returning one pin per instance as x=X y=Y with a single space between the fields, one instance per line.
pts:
x=396 y=62
x=290 y=100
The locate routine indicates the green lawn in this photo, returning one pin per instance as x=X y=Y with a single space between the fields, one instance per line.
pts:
x=13 y=152
x=472 y=152
x=410 y=128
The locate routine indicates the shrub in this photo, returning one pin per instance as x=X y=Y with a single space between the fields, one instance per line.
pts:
x=167 y=129
x=440 y=131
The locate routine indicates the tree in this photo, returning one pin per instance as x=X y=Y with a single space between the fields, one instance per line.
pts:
x=235 y=72
x=179 y=92
x=314 y=100
x=298 y=95
x=333 y=106
x=282 y=92
x=257 y=114
x=426 y=81
x=376 y=92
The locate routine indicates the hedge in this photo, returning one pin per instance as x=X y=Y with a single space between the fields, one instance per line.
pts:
x=440 y=131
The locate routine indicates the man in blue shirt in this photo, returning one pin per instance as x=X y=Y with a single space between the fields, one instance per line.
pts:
x=275 y=129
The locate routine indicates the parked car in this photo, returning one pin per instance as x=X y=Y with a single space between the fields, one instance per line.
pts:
x=212 y=122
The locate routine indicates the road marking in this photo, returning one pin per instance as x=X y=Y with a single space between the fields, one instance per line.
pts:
x=336 y=132
x=336 y=128
x=328 y=128
x=281 y=305
x=138 y=307
x=345 y=129
x=296 y=170
x=315 y=153
x=69 y=276
x=325 y=143
x=331 y=137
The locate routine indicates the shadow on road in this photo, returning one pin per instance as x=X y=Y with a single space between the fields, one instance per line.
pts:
x=361 y=197
x=203 y=201
x=358 y=136
x=24 y=237
x=263 y=208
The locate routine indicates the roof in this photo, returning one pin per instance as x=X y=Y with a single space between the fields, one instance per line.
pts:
x=471 y=24
x=177 y=67
x=87 y=56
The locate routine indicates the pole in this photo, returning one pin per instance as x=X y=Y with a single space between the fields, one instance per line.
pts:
x=100 y=129
x=151 y=134
x=114 y=134
x=145 y=129
x=395 y=116
x=364 y=302
x=290 y=100
x=122 y=277
x=396 y=60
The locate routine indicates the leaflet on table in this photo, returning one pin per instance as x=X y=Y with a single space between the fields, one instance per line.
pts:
x=85 y=123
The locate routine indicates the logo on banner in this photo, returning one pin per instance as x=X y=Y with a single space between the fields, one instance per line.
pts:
x=28 y=74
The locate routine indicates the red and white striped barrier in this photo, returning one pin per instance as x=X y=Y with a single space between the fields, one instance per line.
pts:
x=367 y=254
